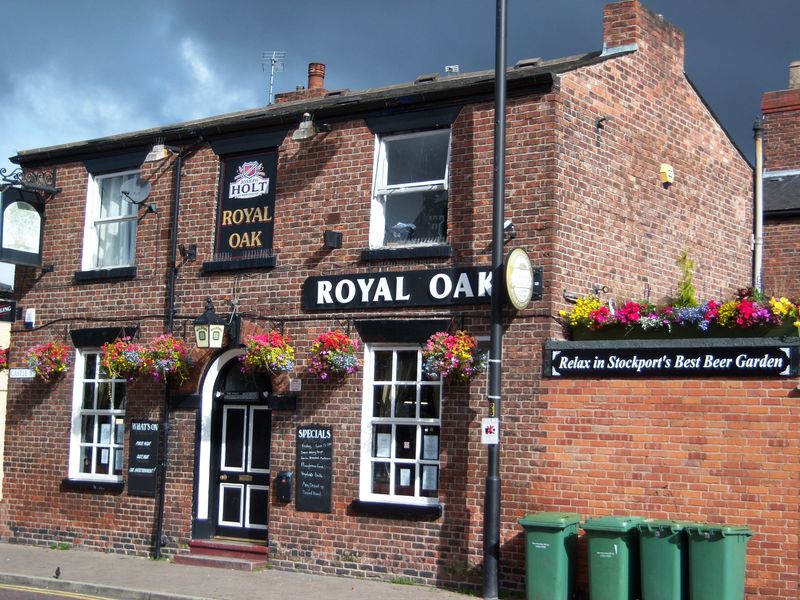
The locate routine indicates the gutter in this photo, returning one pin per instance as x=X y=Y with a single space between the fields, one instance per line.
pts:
x=758 y=209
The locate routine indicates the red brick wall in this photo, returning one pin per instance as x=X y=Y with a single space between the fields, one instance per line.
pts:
x=782 y=256
x=615 y=223
x=781 y=112
x=39 y=509
x=713 y=450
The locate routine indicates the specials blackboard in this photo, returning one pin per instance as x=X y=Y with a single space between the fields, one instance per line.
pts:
x=143 y=458
x=314 y=468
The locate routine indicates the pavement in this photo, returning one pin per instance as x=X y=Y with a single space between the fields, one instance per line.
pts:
x=120 y=577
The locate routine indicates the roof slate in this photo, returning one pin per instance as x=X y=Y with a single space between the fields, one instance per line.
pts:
x=782 y=195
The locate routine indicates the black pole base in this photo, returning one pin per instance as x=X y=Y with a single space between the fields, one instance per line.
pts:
x=491 y=538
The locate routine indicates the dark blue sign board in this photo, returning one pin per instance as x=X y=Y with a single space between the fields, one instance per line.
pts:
x=768 y=357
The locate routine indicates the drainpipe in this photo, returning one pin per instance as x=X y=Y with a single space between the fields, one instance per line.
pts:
x=173 y=274
x=758 y=233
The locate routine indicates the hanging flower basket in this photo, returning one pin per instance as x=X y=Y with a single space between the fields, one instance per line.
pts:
x=124 y=359
x=454 y=357
x=3 y=358
x=268 y=352
x=48 y=360
x=168 y=356
x=333 y=354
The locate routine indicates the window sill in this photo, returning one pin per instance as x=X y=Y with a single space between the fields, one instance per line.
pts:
x=391 y=510
x=444 y=251
x=88 y=485
x=237 y=265
x=104 y=274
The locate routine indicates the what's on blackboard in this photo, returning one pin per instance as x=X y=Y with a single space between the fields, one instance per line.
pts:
x=143 y=456
x=314 y=468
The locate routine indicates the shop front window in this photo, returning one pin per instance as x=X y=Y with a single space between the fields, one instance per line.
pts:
x=98 y=427
x=401 y=426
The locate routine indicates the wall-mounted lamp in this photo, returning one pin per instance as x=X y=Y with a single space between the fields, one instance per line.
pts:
x=571 y=297
x=308 y=129
x=599 y=288
x=332 y=239
x=209 y=328
x=508 y=230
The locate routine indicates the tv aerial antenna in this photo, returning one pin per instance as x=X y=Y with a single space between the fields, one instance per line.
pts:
x=274 y=60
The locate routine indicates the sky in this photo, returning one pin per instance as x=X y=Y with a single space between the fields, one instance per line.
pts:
x=80 y=69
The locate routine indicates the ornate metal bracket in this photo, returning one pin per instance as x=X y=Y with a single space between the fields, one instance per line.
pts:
x=39 y=181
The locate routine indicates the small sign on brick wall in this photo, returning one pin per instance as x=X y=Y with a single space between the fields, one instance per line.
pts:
x=21 y=373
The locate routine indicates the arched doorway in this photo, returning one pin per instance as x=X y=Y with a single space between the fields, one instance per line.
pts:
x=234 y=482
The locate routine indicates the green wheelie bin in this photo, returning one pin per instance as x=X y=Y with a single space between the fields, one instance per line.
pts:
x=550 y=542
x=663 y=559
x=717 y=558
x=613 y=557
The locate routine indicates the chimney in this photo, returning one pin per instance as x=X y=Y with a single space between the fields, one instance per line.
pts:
x=628 y=24
x=316 y=86
x=316 y=75
x=794 y=75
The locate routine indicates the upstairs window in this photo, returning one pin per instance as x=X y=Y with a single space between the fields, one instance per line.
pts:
x=110 y=237
x=409 y=204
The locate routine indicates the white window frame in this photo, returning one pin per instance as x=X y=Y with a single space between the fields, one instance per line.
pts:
x=367 y=422
x=381 y=190
x=117 y=417
x=91 y=238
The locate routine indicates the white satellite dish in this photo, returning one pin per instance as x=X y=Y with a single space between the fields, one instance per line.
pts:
x=135 y=191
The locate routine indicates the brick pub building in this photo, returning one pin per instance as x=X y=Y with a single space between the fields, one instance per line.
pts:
x=403 y=491
x=781 y=188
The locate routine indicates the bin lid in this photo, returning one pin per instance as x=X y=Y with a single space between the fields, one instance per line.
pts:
x=711 y=529
x=612 y=523
x=662 y=525
x=550 y=519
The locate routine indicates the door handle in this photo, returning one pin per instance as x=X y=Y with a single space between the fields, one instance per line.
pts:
x=223 y=478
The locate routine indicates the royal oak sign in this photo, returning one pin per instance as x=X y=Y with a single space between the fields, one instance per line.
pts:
x=432 y=287
x=245 y=219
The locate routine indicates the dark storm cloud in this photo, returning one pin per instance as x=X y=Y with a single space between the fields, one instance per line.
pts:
x=84 y=69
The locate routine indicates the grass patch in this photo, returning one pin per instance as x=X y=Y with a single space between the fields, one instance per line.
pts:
x=60 y=546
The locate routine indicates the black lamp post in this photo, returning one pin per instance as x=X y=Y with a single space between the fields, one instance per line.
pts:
x=209 y=328
x=491 y=506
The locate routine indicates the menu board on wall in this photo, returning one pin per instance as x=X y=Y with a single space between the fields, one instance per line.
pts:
x=143 y=458
x=314 y=468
